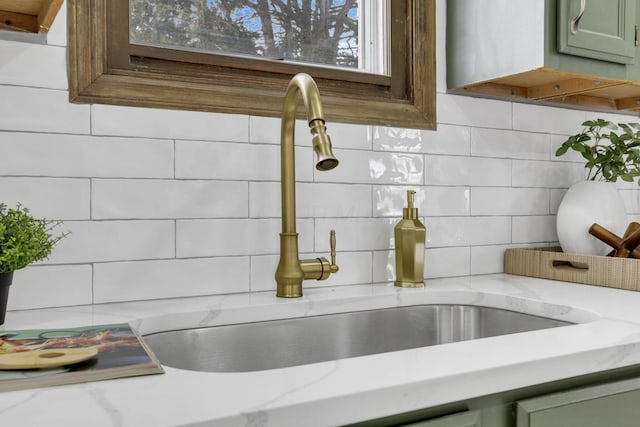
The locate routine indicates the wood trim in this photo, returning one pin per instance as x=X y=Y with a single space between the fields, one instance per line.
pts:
x=495 y=90
x=102 y=70
x=549 y=86
x=632 y=103
x=569 y=87
x=18 y=22
x=87 y=44
x=586 y=101
x=47 y=14
x=401 y=46
x=266 y=65
x=35 y=16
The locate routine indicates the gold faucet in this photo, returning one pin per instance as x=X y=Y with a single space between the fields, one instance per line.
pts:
x=291 y=270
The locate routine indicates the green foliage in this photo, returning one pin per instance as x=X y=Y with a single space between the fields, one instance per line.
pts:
x=24 y=239
x=614 y=152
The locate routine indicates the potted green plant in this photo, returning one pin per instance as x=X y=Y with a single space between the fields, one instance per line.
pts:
x=611 y=152
x=23 y=240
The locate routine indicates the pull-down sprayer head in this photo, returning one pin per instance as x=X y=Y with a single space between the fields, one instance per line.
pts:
x=322 y=146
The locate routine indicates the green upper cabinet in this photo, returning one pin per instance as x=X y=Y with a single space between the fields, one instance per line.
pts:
x=550 y=50
x=600 y=29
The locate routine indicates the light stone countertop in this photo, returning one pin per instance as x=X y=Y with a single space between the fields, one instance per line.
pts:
x=607 y=336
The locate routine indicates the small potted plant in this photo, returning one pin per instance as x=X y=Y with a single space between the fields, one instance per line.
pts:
x=611 y=152
x=23 y=240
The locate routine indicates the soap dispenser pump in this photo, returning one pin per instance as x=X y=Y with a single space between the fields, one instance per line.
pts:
x=410 y=235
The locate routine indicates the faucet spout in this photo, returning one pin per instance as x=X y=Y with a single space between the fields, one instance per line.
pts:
x=291 y=271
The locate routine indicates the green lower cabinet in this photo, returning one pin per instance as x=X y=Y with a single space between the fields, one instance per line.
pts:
x=603 y=399
x=615 y=404
x=464 y=419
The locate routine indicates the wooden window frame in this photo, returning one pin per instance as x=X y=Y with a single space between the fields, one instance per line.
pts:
x=105 y=69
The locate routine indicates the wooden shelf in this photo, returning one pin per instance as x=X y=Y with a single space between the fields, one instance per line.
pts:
x=559 y=87
x=28 y=16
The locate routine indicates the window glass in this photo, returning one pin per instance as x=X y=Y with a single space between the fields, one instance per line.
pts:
x=347 y=34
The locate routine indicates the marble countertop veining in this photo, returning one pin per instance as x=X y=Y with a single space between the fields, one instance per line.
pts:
x=607 y=336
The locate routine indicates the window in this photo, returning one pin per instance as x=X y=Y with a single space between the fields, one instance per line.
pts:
x=373 y=60
x=347 y=34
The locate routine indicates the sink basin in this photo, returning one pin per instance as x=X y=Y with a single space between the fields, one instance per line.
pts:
x=291 y=342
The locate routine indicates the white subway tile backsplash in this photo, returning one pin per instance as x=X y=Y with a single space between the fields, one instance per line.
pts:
x=40 y=154
x=631 y=200
x=355 y=234
x=468 y=231
x=166 y=203
x=220 y=237
x=541 y=118
x=446 y=262
x=528 y=229
x=625 y=185
x=155 y=199
x=531 y=173
x=57 y=34
x=355 y=268
x=384 y=266
x=397 y=139
x=143 y=280
x=452 y=140
x=265 y=130
x=100 y=241
x=263 y=270
x=365 y=167
x=630 y=117
x=217 y=160
x=351 y=136
x=555 y=141
x=438 y=262
x=51 y=198
x=313 y=200
x=555 y=197
x=465 y=171
x=21 y=62
x=447 y=170
x=447 y=201
x=389 y=200
x=41 y=110
x=51 y=286
x=168 y=124
x=509 y=201
x=431 y=201
x=509 y=144
x=488 y=259
x=467 y=111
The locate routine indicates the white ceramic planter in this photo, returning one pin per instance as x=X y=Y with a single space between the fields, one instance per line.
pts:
x=586 y=203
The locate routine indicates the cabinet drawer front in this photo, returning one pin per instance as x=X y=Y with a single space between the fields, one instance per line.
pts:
x=611 y=405
x=605 y=30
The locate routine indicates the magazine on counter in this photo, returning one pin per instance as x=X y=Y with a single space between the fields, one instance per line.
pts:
x=112 y=351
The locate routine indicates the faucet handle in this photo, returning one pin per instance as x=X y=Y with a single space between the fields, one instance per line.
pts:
x=332 y=242
x=321 y=268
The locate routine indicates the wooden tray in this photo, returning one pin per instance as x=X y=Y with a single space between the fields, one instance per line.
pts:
x=552 y=263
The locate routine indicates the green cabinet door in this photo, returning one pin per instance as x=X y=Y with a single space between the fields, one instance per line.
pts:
x=463 y=419
x=599 y=29
x=614 y=404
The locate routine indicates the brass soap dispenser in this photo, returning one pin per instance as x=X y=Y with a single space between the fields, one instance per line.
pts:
x=410 y=235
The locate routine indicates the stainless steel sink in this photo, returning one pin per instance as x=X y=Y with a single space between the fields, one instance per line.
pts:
x=291 y=342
